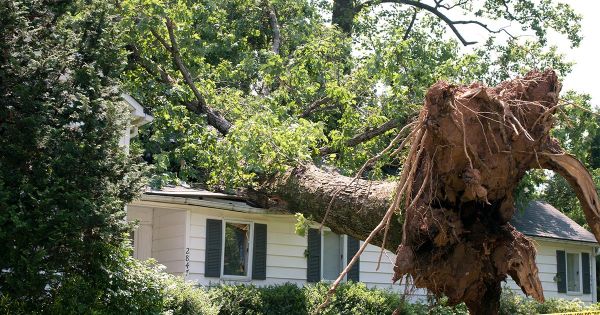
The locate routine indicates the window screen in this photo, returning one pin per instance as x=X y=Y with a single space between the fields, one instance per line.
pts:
x=332 y=255
x=236 y=249
x=573 y=273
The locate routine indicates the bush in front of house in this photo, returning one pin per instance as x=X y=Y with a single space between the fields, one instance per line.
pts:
x=144 y=288
x=351 y=298
x=286 y=299
x=512 y=303
x=128 y=287
x=289 y=299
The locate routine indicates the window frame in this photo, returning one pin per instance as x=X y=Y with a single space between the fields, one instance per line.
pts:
x=569 y=292
x=344 y=262
x=248 y=275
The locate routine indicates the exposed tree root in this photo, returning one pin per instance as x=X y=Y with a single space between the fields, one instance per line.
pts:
x=448 y=217
x=456 y=238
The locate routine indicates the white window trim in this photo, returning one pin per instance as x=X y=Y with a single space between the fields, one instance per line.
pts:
x=344 y=240
x=580 y=273
x=248 y=275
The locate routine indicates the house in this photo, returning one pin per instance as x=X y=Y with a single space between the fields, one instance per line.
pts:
x=138 y=119
x=566 y=252
x=217 y=238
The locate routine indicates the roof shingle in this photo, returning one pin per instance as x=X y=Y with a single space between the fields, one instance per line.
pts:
x=543 y=220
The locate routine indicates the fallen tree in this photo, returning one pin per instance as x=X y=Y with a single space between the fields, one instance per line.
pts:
x=469 y=148
x=276 y=87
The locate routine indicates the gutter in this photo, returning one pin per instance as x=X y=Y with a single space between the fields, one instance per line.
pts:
x=223 y=205
x=562 y=240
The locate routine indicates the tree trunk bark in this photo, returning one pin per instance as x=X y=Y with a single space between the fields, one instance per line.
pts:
x=355 y=208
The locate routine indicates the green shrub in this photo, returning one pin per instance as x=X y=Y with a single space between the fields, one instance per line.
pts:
x=289 y=299
x=143 y=288
x=352 y=298
x=10 y=305
x=131 y=287
x=237 y=299
x=185 y=298
x=512 y=303
x=286 y=299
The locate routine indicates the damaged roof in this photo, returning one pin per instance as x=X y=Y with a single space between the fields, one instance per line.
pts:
x=539 y=219
x=543 y=220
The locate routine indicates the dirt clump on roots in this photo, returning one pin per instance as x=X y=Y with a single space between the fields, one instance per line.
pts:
x=469 y=148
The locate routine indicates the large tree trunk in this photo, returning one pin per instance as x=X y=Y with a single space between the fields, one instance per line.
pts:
x=470 y=148
x=355 y=207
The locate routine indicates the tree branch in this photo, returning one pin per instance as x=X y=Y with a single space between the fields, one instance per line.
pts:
x=435 y=10
x=200 y=106
x=410 y=25
x=363 y=137
x=276 y=31
x=355 y=210
x=150 y=67
x=314 y=106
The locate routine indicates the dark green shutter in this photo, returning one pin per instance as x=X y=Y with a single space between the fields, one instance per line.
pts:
x=259 y=253
x=585 y=265
x=561 y=271
x=352 y=247
x=313 y=263
x=214 y=243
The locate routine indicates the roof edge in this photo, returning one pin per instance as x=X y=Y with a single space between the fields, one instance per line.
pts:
x=222 y=205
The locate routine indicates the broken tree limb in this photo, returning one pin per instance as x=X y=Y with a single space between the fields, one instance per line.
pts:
x=580 y=180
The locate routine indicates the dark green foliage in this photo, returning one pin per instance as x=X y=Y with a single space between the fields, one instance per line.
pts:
x=355 y=298
x=238 y=299
x=64 y=179
x=134 y=288
x=289 y=299
x=284 y=299
x=352 y=298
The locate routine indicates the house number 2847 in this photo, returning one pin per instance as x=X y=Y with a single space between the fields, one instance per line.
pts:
x=187 y=261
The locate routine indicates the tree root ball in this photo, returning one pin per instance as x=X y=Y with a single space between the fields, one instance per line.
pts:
x=477 y=143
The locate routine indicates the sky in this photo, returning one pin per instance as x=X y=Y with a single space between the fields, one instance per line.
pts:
x=585 y=76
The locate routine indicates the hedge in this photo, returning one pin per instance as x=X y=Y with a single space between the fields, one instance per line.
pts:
x=143 y=288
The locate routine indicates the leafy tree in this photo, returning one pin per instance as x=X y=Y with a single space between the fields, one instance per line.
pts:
x=64 y=179
x=244 y=89
x=579 y=131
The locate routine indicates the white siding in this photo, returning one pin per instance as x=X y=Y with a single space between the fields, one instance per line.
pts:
x=142 y=235
x=168 y=238
x=546 y=262
x=285 y=249
x=382 y=278
x=160 y=234
x=286 y=261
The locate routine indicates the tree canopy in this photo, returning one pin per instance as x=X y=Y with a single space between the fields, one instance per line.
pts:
x=244 y=89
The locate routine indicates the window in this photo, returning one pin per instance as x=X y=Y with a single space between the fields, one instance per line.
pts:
x=328 y=254
x=333 y=255
x=236 y=249
x=573 y=273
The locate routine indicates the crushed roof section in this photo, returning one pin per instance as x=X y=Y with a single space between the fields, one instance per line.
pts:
x=543 y=220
